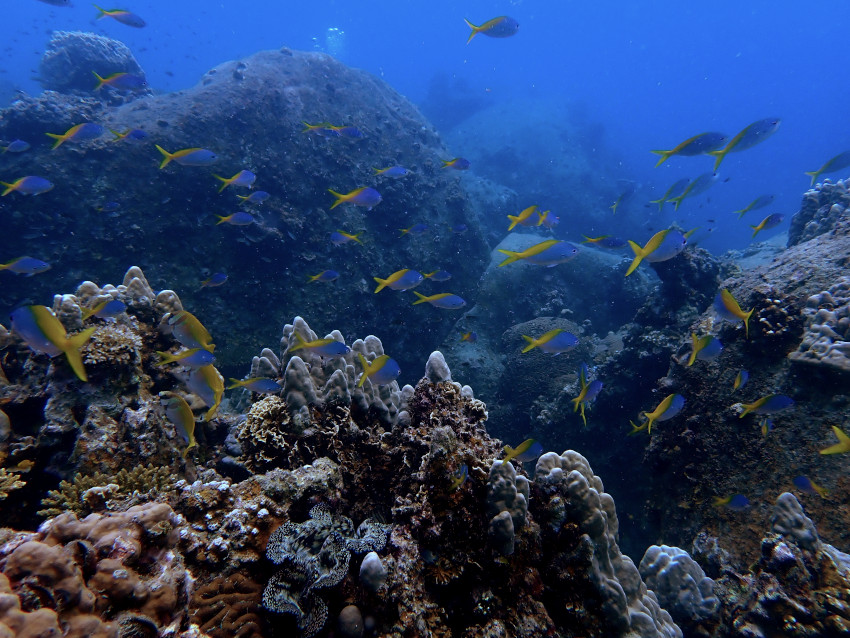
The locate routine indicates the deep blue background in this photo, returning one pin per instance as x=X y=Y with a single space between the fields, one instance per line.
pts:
x=653 y=73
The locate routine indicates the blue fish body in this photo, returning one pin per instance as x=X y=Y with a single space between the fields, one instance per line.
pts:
x=241 y=219
x=558 y=254
x=408 y=280
x=676 y=406
x=562 y=342
x=29 y=185
x=25 y=324
x=711 y=351
x=26 y=266
x=388 y=373
x=263 y=386
x=439 y=276
x=198 y=359
x=531 y=454
x=198 y=157
x=756 y=132
x=673 y=244
x=704 y=143
x=334 y=349
x=738 y=503
x=17 y=146
x=395 y=171
x=450 y=302
x=257 y=197
x=367 y=197
x=776 y=403
x=593 y=390
x=460 y=229
x=112 y=309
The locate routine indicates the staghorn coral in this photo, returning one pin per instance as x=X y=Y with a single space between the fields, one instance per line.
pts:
x=826 y=341
x=9 y=481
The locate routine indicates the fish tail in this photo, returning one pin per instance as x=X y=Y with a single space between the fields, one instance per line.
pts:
x=475 y=30
x=211 y=412
x=756 y=230
x=8 y=188
x=100 y=83
x=221 y=219
x=665 y=155
x=165 y=357
x=378 y=171
x=813 y=175
x=532 y=344
x=660 y=202
x=365 y=365
x=117 y=134
x=422 y=298
x=583 y=418
x=677 y=201
x=86 y=312
x=512 y=257
x=167 y=157
x=740 y=213
x=72 y=352
x=340 y=198
x=719 y=154
x=746 y=323
x=300 y=343
x=639 y=255
x=224 y=180
x=189 y=447
x=694 y=349
x=514 y=221
x=382 y=283
x=234 y=383
x=102 y=11
x=60 y=139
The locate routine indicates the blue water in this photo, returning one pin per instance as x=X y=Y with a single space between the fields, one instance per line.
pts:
x=652 y=73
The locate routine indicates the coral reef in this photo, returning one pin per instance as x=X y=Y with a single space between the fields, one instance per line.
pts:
x=823 y=208
x=827 y=336
x=507 y=504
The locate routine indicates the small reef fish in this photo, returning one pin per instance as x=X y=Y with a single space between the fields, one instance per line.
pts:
x=257 y=197
x=674 y=191
x=121 y=81
x=416 y=229
x=674 y=243
x=751 y=135
x=400 y=280
x=188 y=157
x=217 y=279
x=727 y=308
x=325 y=276
x=526 y=451
x=469 y=337
x=457 y=163
x=261 y=385
x=758 y=202
x=843 y=445
x=766 y=426
x=500 y=27
x=459 y=229
x=808 y=485
x=771 y=221
x=382 y=371
x=605 y=241
x=180 y=414
x=122 y=16
x=240 y=218
x=734 y=502
x=527 y=217
x=642 y=253
x=322 y=128
x=769 y=404
x=438 y=275
x=16 y=146
x=191 y=358
x=322 y=347
x=43 y=332
x=837 y=163
x=363 y=196
x=705 y=348
x=27 y=266
x=208 y=384
x=696 y=145
x=459 y=477
x=189 y=331
x=243 y=178
x=444 y=300
x=29 y=185
x=57 y=3
x=77 y=133
x=106 y=309
x=24 y=466
x=340 y=237
x=135 y=135
x=667 y=409
x=740 y=380
x=696 y=187
x=554 y=341
x=393 y=171
x=547 y=253
x=588 y=393
x=548 y=220
x=347 y=131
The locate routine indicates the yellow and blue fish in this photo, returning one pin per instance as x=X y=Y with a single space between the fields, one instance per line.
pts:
x=43 y=332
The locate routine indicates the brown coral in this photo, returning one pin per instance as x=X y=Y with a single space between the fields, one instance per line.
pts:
x=229 y=607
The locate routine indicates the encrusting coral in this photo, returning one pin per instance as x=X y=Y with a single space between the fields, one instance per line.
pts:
x=826 y=341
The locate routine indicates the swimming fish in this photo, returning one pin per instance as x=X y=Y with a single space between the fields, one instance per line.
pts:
x=135 y=135
x=674 y=243
x=106 y=309
x=527 y=217
x=191 y=358
x=363 y=196
x=189 y=331
x=674 y=191
x=605 y=241
x=740 y=380
x=766 y=426
x=526 y=451
x=459 y=229
x=257 y=197
x=29 y=185
x=444 y=300
x=242 y=178
x=340 y=237
x=347 y=131
x=642 y=253
x=696 y=187
x=469 y=337
x=734 y=502
x=667 y=409
x=837 y=163
x=771 y=221
x=322 y=128
x=400 y=280
x=121 y=81
x=705 y=348
x=188 y=157
x=43 y=332
x=240 y=218
x=122 y=16
x=587 y=394
x=637 y=429
x=181 y=417
x=393 y=171
x=208 y=384
x=808 y=485
x=696 y=145
x=500 y=27
x=27 y=266
x=16 y=146
x=322 y=347
x=457 y=163
x=416 y=229
x=77 y=133
x=843 y=444
x=548 y=220
x=727 y=308
x=554 y=341
x=546 y=253
x=459 y=477
x=748 y=137
x=767 y=405
x=216 y=279
x=758 y=202
x=325 y=276
x=261 y=385
x=381 y=371
x=438 y=275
